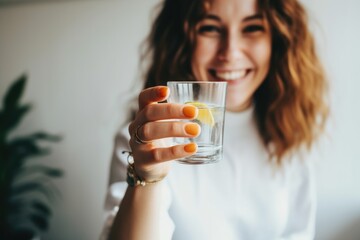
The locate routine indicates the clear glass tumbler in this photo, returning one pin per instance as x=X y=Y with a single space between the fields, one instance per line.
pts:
x=209 y=98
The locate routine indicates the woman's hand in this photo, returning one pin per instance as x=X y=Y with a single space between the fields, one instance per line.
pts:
x=148 y=130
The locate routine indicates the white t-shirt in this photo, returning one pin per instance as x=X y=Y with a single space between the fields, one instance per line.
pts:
x=242 y=197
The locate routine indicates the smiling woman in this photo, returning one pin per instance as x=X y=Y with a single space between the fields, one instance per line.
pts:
x=233 y=46
x=275 y=108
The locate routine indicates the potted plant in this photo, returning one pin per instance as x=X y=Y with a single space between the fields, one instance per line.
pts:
x=25 y=194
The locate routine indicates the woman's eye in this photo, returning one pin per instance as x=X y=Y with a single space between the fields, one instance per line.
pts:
x=209 y=30
x=254 y=28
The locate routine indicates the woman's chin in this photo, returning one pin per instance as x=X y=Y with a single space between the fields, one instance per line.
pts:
x=237 y=105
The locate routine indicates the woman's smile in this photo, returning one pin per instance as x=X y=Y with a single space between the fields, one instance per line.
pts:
x=233 y=46
x=230 y=76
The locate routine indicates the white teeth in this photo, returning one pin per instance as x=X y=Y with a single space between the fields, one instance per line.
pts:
x=231 y=75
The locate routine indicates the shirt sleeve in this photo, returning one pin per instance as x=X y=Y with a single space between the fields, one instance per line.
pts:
x=302 y=208
x=118 y=185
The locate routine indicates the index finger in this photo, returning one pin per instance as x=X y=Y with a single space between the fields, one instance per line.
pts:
x=152 y=95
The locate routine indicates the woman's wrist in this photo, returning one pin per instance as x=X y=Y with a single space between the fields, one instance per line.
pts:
x=133 y=179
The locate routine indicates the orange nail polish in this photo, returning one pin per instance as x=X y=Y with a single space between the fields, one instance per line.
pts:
x=189 y=111
x=191 y=147
x=192 y=129
x=163 y=91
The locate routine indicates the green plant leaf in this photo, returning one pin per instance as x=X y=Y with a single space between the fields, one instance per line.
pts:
x=40 y=221
x=21 y=148
x=25 y=147
x=18 y=151
x=39 y=169
x=41 y=207
x=24 y=188
x=23 y=234
x=14 y=93
x=20 y=182
x=17 y=205
x=45 y=136
x=10 y=118
x=26 y=205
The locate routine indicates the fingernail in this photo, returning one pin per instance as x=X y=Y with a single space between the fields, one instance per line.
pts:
x=189 y=111
x=191 y=147
x=192 y=129
x=163 y=91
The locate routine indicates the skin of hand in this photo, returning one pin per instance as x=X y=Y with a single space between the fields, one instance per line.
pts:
x=155 y=121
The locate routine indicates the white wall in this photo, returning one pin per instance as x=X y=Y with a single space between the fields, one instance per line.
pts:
x=338 y=191
x=82 y=56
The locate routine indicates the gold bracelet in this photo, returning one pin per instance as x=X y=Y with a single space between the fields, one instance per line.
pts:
x=133 y=179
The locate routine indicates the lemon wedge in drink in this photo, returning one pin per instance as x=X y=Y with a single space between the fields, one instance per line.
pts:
x=205 y=115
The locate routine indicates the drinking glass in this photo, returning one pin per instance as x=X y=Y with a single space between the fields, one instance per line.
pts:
x=209 y=98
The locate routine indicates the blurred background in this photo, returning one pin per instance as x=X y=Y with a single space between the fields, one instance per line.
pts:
x=81 y=58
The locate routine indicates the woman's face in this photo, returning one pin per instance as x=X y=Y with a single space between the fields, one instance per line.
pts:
x=233 y=44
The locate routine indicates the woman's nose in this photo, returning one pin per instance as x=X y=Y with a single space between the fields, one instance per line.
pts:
x=231 y=48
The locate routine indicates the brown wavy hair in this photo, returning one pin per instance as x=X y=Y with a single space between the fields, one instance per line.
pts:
x=290 y=105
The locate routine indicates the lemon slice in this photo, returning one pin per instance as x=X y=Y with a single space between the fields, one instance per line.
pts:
x=205 y=115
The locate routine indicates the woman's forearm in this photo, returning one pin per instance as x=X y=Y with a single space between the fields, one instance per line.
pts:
x=139 y=214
